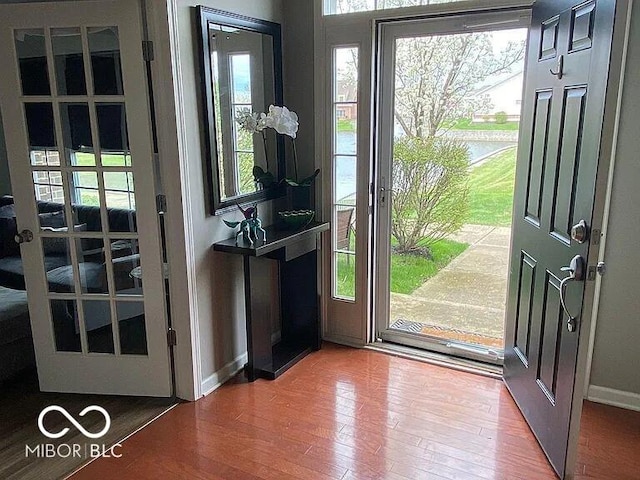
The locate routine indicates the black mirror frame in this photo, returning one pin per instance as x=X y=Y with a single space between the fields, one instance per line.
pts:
x=205 y=16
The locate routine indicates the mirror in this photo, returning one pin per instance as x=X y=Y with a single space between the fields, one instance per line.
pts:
x=241 y=69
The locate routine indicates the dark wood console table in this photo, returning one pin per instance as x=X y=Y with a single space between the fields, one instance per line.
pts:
x=295 y=252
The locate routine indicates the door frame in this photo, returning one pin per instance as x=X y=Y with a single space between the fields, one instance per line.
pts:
x=172 y=127
x=359 y=29
x=386 y=34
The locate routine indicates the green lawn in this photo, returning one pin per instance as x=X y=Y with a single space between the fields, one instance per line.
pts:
x=117 y=182
x=467 y=124
x=491 y=190
x=345 y=125
x=408 y=272
x=88 y=160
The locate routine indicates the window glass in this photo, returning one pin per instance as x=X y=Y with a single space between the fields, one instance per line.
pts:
x=345 y=164
x=339 y=7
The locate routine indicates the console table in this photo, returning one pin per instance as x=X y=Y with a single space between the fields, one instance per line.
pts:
x=295 y=252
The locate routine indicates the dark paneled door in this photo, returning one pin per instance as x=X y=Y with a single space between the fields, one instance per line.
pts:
x=567 y=65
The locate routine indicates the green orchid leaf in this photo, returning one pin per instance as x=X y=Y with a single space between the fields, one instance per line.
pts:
x=231 y=224
x=306 y=182
x=265 y=178
x=309 y=180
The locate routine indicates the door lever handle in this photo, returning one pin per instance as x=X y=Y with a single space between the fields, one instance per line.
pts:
x=560 y=72
x=576 y=274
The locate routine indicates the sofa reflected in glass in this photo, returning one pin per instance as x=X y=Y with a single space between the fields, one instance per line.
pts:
x=90 y=251
x=16 y=348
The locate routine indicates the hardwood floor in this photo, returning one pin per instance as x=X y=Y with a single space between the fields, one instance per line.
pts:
x=20 y=404
x=351 y=414
x=609 y=443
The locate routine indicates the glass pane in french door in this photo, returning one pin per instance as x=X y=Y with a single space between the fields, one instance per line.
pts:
x=456 y=110
x=83 y=184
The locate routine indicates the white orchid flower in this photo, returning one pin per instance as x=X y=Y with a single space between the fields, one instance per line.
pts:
x=282 y=120
x=250 y=122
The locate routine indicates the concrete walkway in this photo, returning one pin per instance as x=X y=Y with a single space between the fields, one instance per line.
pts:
x=469 y=294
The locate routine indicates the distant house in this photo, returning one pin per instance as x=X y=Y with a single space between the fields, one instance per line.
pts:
x=346 y=108
x=504 y=94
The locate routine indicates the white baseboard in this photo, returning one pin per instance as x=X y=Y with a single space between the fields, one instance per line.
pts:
x=214 y=381
x=615 y=398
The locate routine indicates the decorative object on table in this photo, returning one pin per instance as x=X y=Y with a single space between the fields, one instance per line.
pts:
x=250 y=226
x=294 y=219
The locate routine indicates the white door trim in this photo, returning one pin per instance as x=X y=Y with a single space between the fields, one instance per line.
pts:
x=172 y=146
x=620 y=47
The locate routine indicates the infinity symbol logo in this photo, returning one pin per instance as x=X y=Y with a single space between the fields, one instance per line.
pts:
x=64 y=431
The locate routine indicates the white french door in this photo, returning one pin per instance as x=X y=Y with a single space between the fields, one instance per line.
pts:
x=76 y=116
x=413 y=315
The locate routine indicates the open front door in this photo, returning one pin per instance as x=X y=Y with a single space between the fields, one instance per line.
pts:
x=75 y=109
x=567 y=65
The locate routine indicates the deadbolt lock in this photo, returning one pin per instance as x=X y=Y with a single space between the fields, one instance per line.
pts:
x=580 y=232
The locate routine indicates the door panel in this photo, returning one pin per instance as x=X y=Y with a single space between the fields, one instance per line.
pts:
x=537 y=158
x=78 y=137
x=556 y=174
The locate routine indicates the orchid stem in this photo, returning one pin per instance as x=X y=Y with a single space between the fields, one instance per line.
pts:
x=295 y=159
x=266 y=154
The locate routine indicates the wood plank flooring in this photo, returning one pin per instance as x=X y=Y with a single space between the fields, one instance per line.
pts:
x=349 y=414
x=20 y=404
x=609 y=443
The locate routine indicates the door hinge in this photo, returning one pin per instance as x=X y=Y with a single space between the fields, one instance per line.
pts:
x=172 y=337
x=161 y=204
x=147 y=50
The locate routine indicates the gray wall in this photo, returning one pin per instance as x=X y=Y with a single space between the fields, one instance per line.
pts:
x=5 y=181
x=219 y=283
x=617 y=344
x=298 y=52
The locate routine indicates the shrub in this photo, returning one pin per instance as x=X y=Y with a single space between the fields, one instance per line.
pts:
x=430 y=191
x=501 y=118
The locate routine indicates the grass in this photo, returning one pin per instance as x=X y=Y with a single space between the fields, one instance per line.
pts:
x=491 y=190
x=88 y=160
x=115 y=181
x=346 y=125
x=467 y=124
x=408 y=272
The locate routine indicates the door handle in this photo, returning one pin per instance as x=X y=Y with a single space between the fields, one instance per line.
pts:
x=576 y=271
x=382 y=192
x=25 y=236
x=560 y=71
